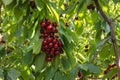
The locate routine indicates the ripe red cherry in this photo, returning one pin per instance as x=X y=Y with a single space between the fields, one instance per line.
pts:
x=54 y=30
x=52 y=52
x=50 y=45
x=54 y=41
x=32 y=4
x=48 y=59
x=47 y=51
x=9 y=51
x=56 y=46
x=49 y=27
x=49 y=39
x=48 y=21
x=67 y=24
x=46 y=47
x=80 y=74
x=43 y=24
x=46 y=35
x=44 y=42
x=57 y=52
x=90 y=6
x=60 y=43
x=86 y=46
x=76 y=17
x=54 y=24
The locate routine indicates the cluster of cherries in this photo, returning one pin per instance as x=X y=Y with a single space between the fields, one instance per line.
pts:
x=109 y=68
x=51 y=45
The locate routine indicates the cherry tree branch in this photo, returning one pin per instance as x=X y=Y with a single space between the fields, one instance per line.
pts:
x=113 y=37
x=0 y=13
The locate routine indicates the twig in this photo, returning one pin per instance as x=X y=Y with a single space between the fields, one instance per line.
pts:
x=113 y=38
x=116 y=17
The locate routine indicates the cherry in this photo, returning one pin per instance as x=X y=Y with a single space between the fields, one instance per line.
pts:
x=56 y=46
x=80 y=74
x=67 y=24
x=44 y=42
x=60 y=43
x=50 y=45
x=49 y=39
x=49 y=27
x=48 y=59
x=86 y=46
x=32 y=4
x=86 y=50
x=46 y=35
x=76 y=17
x=54 y=24
x=54 y=41
x=43 y=24
x=48 y=21
x=52 y=52
x=46 y=47
x=54 y=30
x=90 y=6
x=61 y=15
x=57 y=52
x=9 y=51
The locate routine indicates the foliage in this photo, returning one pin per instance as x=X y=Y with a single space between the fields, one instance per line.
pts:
x=85 y=35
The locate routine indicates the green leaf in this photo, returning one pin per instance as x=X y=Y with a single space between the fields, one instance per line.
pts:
x=1 y=73
x=40 y=62
x=7 y=2
x=65 y=63
x=93 y=68
x=28 y=58
x=68 y=47
x=107 y=27
x=71 y=8
x=83 y=66
x=50 y=72
x=79 y=28
x=106 y=51
x=39 y=4
x=37 y=47
x=102 y=42
x=27 y=75
x=58 y=76
x=65 y=77
x=71 y=59
x=18 y=12
x=81 y=6
x=116 y=1
x=36 y=42
x=60 y=2
x=56 y=62
x=13 y=74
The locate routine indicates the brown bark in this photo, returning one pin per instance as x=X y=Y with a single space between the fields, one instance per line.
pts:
x=113 y=36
